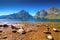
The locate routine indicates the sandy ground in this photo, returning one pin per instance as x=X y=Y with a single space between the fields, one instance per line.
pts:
x=34 y=31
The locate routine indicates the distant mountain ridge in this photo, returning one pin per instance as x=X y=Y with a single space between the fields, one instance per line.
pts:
x=22 y=15
x=52 y=13
x=41 y=14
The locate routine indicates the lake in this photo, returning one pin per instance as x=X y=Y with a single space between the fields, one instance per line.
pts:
x=39 y=20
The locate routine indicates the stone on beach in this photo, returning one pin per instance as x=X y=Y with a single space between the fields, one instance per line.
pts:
x=14 y=31
x=21 y=31
x=5 y=25
x=55 y=30
x=49 y=37
x=46 y=32
x=13 y=27
x=1 y=25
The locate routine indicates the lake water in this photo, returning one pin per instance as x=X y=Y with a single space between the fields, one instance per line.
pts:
x=40 y=20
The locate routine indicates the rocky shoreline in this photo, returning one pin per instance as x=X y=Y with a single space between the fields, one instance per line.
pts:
x=30 y=31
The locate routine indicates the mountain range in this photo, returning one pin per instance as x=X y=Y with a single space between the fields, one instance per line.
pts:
x=51 y=13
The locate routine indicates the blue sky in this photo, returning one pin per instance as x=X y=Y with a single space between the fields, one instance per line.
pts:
x=32 y=6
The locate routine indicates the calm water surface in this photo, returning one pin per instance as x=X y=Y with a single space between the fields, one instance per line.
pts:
x=40 y=20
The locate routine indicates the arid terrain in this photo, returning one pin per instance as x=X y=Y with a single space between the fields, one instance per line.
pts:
x=32 y=31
